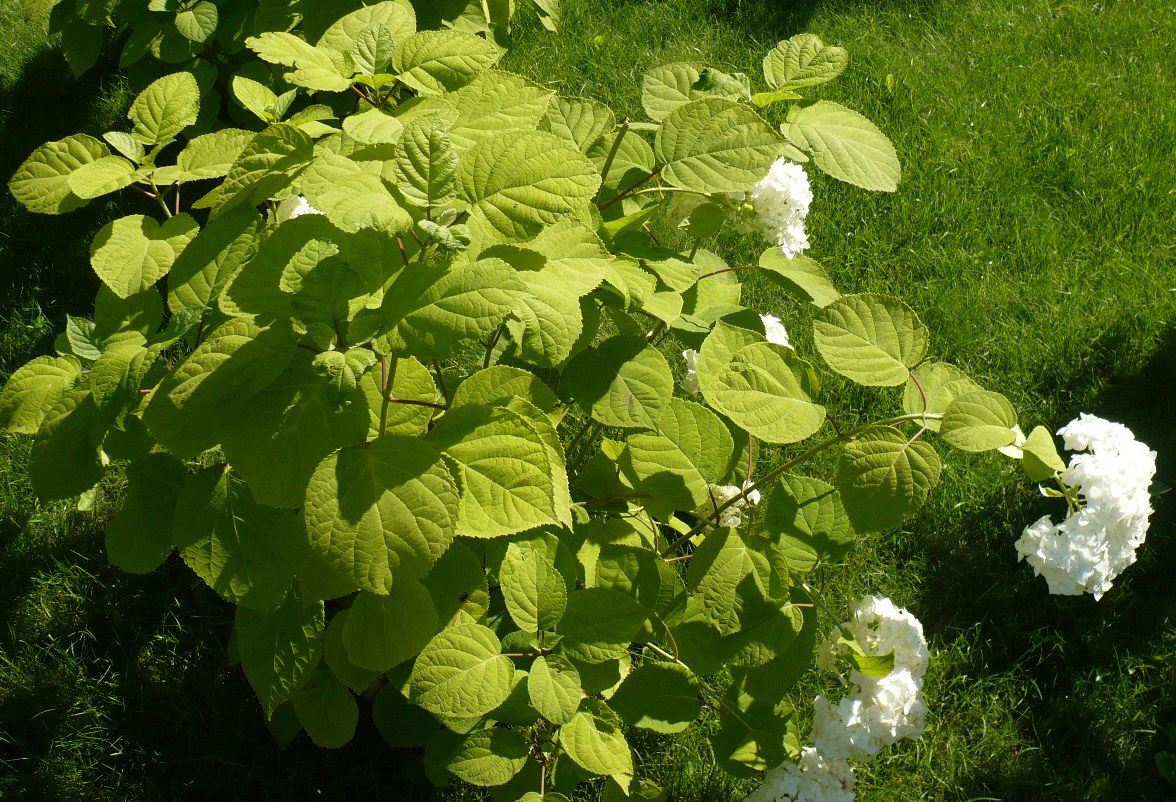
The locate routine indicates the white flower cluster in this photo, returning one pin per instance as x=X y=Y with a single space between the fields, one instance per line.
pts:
x=720 y=495
x=291 y=207
x=775 y=208
x=690 y=380
x=1112 y=473
x=774 y=331
x=877 y=712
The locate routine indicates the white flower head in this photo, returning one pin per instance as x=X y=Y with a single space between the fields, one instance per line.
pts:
x=775 y=208
x=732 y=516
x=690 y=380
x=774 y=331
x=814 y=778
x=291 y=207
x=1110 y=477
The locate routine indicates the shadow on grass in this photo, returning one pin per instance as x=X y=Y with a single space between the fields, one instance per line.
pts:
x=1098 y=678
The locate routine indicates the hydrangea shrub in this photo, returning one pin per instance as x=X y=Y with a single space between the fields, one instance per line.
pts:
x=382 y=357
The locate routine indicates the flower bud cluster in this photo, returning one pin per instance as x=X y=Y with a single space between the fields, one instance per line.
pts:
x=775 y=208
x=1107 y=483
x=877 y=711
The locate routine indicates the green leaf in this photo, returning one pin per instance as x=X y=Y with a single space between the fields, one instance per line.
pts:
x=204 y=267
x=736 y=578
x=327 y=710
x=126 y=144
x=207 y=156
x=499 y=384
x=383 y=631
x=599 y=624
x=242 y=550
x=533 y=589
x=623 y=382
x=665 y=88
x=265 y=166
x=400 y=724
x=132 y=253
x=547 y=321
x=426 y=164
x=800 y=276
x=979 y=421
x=762 y=387
x=753 y=731
x=66 y=459
x=510 y=468
x=103 y=176
x=517 y=183
x=81 y=44
x=319 y=69
x=662 y=697
x=435 y=62
x=676 y=465
x=461 y=673
x=554 y=688
x=936 y=383
x=41 y=183
x=280 y=649
x=489 y=757
x=139 y=537
x=382 y=512
x=807 y=520
x=165 y=108
x=874 y=340
x=394 y=18
x=495 y=103
x=803 y=60
x=411 y=383
x=373 y=127
x=34 y=389
x=352 y=198
x=844 y=144
x=277 y=438
x=763 y=99
x=597 y=745
x=373 y=50
x=198 y=22
x=436 y=311
x=339 y=661
x=457 y=585
x=579 y=121
x=715 y=145
x=1040 y=457
x=257 y=98
x=236 y=360
x=884 y=478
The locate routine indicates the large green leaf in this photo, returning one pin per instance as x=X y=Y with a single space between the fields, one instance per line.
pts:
x=106 y=175
x=426 y=164
x=844 y=144
x=600 y=623
x=245 y=552
x=807 y=520
x=737 y=579
x=34 y=389
x=597 y=744
x=457 y=585
x=803 y=60
x=396 y=18
x=676 y=465
x=265 y=166
x=874 y=340
x=553 y=685
x=132 y=253
x=760 y=386
x=623 y=382
x=198 y=21
x=235 y=361
x=665 y=88
x=461 y=673
x=579 y=121
x=498 y=385
x=436 y=62
x=1039 y=455
x=277 y=438
x=41 y=183
x=327 y=710
x=495 y=103
x=206 y=156
x=280 y=649
x=139 y=537
x=319 y=69
x=532 y=587
x=510 y=468
x=884 y=478
x=662 y=697
x=382 y=512
x=517 y=183
x=489 y=757
x=800 y=276
x=205 y=265
x=979 y=421
x=383 y=631
x=66 y=459
x=339 y=661
x=351 y=197
x=715 y=145
x=165 y=108
x=547 y=321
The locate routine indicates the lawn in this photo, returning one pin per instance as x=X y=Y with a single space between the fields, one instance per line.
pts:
x=1032 y=232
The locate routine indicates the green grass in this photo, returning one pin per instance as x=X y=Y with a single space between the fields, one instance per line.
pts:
x=1032 y=231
